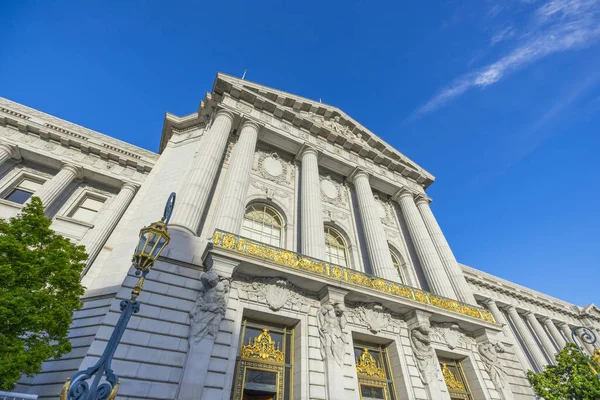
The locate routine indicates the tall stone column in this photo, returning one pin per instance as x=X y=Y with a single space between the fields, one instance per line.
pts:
x=200 y=176
x=311 y=220
x=566 y=329
x=542 y=335
x=457 y=278
x=434 y=271
x=7 y=151
x=52 y=188
x=499 y=317
x=560 y=341
x=375 y=238
x=106 y=222
x=528 y=340
x=233 y=201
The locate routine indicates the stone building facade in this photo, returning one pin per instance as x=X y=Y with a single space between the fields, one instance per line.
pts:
x=305 y=261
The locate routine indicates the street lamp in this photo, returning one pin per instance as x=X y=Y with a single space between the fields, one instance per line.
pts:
x=587 y=336
x=153 y=240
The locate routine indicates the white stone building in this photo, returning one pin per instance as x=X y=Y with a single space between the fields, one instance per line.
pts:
x=305 y=261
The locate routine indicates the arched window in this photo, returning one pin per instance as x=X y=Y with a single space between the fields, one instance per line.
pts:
x=262 y=223
x=399 y=264
x=336 y=251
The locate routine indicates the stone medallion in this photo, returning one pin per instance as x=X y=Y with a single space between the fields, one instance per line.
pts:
x=329 y=189
x=273 y=166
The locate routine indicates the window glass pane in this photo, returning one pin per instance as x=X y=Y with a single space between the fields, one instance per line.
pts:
x=29 y=185
x=260 y=382
x=335 y=247
x=371 y=392
x=19 y=196
x=263 y=224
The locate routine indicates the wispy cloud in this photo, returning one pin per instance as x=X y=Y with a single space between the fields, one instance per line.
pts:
x=505 y=33
x=555 y=26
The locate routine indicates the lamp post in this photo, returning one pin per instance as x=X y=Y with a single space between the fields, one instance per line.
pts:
x=587 y=336
x=153 y=240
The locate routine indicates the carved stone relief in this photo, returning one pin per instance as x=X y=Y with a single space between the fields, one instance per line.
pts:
x=210 y=307
x=276 y=292
x=489 y=356
x=269 y=191
x=271 y=166
x=333 y=192
x=374 y=316
x=424 y=353
x=385 y=212
x=451 y=335
x=331 y=320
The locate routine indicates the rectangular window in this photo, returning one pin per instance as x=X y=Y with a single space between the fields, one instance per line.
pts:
x=455 y=379
x=264 y=365
x=373 y=372
x=23 y=190
x=87 y=209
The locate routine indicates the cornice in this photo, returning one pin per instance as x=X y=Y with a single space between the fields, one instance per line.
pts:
x=46 y=125
x=97 y=144
x=320 y=120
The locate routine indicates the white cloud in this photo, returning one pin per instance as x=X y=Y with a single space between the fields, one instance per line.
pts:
x=556 y=26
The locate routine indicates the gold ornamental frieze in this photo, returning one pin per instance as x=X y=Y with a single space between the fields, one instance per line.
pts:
x=366 y=366
x=290 y=259
x=263 y=348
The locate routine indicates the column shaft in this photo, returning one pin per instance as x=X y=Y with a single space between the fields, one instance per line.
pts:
x=560 y=341
x=457 y=278
x=499 y=317
x=542 y=336
x=106 y=222
x=528 y=340
x=434 y=271
x=52 y=188
x=566 y=329
x=311 y=221
x=375 y=238
x=233 y=200
x=200 y=175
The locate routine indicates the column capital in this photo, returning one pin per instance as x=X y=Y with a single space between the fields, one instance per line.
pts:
x=357 y=173
x=422 y=198
x=529 y=314
x=250 y=123
x=77 y=170
x=11 y=149
x=130 y=186
x=562 y=324
x=306 y=149
x=225 y=113
x=488 y=301
x=403 y=192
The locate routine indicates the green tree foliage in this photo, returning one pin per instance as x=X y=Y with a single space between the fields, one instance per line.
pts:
x=571 y=379
x=39 y=291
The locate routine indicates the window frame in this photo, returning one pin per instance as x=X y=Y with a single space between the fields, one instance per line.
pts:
x=462 y=377
x=346 y=247
x=16 y=180
x=401 y=266
x=275 y=213
x=79 y=200
x=282 y=370
x=387 y=385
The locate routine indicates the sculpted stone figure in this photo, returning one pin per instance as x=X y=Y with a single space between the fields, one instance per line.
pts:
x=332 y=322
x=210 y=307
x=489 y=356
x=424 y=353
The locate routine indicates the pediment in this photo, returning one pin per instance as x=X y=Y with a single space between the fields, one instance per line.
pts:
x=321 y=120
x=591 y=309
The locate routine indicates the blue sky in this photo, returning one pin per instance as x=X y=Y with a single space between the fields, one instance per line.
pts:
x=500 y=100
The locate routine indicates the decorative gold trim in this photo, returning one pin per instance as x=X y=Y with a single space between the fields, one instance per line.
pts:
x=452 y=382
x=290 y=259
x=263 y=348
x=366 y=366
